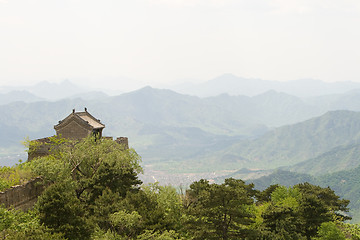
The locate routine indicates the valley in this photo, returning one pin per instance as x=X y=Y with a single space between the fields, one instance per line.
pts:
x=183 y=138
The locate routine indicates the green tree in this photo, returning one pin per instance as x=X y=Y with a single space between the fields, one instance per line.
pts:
x=351 y=230
x=15 y=175
x=62 y=212
x=93 y=165
x=157 y=235
x=168 y=205
x=83 y=177
x=265 y=196
x=159 y=207
x=18 y=225
x=105 y=205
x=280 y=217
x=220 y=211
x=298 y=212
x=319 y=205
x=330 y=231
x=126 y=223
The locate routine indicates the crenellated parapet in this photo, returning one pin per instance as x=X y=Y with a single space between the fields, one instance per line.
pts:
x=123 y=141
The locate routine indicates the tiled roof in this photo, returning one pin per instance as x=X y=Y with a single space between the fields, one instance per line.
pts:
x=95 y=123
x=85 y=117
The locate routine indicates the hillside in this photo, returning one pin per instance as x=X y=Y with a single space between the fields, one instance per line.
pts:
x=339 y=158
x=292 y=144
x=285 y=178
x=346 y=184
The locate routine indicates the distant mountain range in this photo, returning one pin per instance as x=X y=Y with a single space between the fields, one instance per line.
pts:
x=234 y=85
x=300 y=128
x=18 y=96
x=186 y=132
x=224 y=84
x=47 y=91
x=180 y=132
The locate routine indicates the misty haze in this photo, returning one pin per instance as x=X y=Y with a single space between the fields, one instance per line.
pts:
x=176 y=119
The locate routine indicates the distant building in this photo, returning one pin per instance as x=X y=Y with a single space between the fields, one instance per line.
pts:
x=79 y=125
x=76 y=126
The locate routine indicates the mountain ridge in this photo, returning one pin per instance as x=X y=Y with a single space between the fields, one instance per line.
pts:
x=295 y=143
x=157 y=120
x=234 y=85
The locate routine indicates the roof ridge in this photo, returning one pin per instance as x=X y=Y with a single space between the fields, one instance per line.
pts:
x=84 y=116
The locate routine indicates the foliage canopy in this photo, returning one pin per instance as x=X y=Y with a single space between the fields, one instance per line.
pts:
x=93 y=192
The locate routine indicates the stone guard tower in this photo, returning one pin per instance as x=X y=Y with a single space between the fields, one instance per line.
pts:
x=79 y=125
x=76 y=126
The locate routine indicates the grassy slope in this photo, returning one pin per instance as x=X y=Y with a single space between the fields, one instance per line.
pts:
x=292 y=144
x=339 y=158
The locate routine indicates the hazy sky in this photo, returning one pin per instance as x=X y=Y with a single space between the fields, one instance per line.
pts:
x=125 y=42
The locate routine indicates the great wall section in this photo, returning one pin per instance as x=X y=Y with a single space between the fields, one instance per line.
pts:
x=76 y=126
x=24 y=196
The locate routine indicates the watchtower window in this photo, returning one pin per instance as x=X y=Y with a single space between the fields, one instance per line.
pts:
x=96 y=133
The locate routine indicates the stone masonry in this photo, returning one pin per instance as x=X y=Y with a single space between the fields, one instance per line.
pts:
x=22 y=196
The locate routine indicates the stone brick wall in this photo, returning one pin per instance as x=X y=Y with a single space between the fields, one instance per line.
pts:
x=123 y=141
x=22 y=196
x=74 y=131
x=43 y=146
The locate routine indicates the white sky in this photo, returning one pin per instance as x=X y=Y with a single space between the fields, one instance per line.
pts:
x=154 y=42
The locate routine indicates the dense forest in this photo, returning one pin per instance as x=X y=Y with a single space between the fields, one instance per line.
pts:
x=93 y=192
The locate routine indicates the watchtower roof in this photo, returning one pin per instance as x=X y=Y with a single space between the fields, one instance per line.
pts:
x=85 y=117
